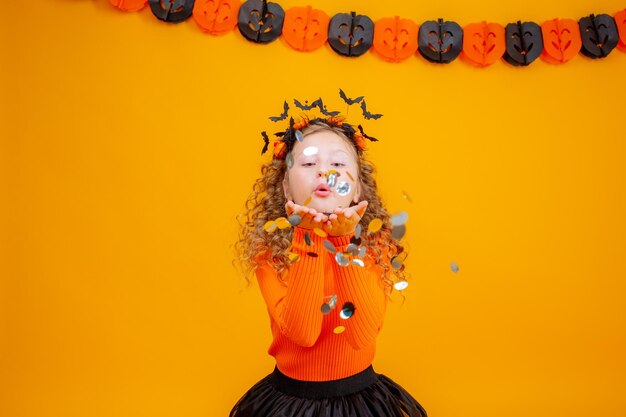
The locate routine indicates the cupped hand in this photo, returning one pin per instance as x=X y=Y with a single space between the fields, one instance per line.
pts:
x=310 y=218
x=344 y=220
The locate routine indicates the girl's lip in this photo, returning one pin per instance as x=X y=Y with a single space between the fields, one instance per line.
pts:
x=322 y=193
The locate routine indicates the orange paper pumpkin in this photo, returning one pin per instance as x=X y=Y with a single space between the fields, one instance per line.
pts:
x=620 y=20
x=395 y=39
x=483 y=43
x=216 y=16
x=305 y=29
x=129 y=5
x=561 y=40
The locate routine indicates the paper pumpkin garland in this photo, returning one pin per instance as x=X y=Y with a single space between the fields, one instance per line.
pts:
x=216 y=17
x=397 y=39
x=305 y=28
x=561 y=40
x=440 y=41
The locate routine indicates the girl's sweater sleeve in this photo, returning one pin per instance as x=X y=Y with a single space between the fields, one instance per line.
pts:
x=295 y=307
x=363 y=287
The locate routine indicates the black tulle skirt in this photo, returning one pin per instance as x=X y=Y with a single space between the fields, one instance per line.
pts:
x=366 y=394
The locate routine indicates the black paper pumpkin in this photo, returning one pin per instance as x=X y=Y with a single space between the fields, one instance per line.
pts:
x=440 y=41
x=173 y=11
x=260 y=21
x=350 y=34
x=524 y=43
x=599 y=35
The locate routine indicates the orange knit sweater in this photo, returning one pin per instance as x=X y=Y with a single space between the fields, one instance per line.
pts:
x=304 y=345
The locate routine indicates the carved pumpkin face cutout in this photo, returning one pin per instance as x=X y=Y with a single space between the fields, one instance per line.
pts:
x=599 y=35
x=483 y=43
x=561 y=40
x=440 y=41
x=350 y=34
x=129 y=5
x=620 y=21
x=173 y=11
x=305 y=29
x=260 y=21
x=395 y=39
x=216 y=16
x=524 y=43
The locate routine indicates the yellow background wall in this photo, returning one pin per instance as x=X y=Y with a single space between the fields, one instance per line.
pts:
x=129 y=146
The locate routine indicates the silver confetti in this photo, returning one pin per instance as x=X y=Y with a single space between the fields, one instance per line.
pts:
x=347 y=311
x=357 y=232
x=333 y=301
x=362 y=251
x=341 y=259
x=295 y=219
x=343 y=188
x=454 y=267
x=400 y=285
x=352 y=249
x=331 y=180
x=329 y=246
x=400 y=218
x=310 y=150
x=326 y=308
x=299 y=136
x=357 y=262
x=397 y=232
x=289 y=160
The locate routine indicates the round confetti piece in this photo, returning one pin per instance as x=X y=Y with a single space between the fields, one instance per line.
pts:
x=307 y=238
x=352 y=249
x=310 y=150
x=454 y=267
x=331 y=180
x=343 y=188
x=333 y=300
x=362 y=251
x=357 y=262
x=374 y=226
x=339 y=329
x=400 y=285
x=293 y=256
x=295 y=219
x=319 y=232
x=329 y=246
x=400 y=218
x=396 y=265
x=282 y=223
x=307 y=201
x=347 y=311
x=270 y=226
x=357 y=231
x=299 y=136
x=341 y=259
x=289 y=160
x=326 y=308
x=312 y=254
x=406 y=197
x=398 y=232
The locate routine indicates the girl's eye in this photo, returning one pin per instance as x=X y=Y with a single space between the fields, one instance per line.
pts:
x=339 y=164
x=308 y=164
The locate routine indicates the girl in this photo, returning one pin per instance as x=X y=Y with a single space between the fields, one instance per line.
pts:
x=324 y=277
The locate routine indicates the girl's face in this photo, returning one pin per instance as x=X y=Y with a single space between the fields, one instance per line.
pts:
x=320 y=152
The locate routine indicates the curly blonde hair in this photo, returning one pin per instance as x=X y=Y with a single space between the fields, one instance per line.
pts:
x=267 y=202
